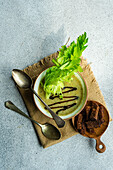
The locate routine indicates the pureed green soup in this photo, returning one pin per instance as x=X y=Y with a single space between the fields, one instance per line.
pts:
x=72 y=96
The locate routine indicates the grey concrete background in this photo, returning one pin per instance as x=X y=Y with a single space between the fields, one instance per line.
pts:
x=29 y=31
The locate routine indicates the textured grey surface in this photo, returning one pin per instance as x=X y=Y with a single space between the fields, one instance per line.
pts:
x=29 y=31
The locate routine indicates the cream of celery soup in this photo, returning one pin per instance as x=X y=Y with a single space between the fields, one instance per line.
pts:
x=72 y=96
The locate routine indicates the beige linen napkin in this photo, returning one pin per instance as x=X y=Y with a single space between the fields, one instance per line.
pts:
x=67 y=131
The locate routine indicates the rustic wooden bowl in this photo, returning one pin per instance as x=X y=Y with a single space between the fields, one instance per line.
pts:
x=100 y=146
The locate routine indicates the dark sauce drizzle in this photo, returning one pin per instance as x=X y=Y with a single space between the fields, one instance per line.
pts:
x=71 y=89
x=64 y=107
x=75 y=97
x=52 y=97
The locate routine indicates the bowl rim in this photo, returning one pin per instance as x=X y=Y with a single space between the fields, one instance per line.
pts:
x=68 y=117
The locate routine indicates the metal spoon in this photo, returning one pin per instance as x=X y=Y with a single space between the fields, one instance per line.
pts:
x=24 y=81
x=48 y=130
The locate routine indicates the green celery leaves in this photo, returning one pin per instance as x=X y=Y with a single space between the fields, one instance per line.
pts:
x=67 y=62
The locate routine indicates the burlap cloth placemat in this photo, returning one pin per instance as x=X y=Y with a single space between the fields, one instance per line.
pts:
x=67 y=131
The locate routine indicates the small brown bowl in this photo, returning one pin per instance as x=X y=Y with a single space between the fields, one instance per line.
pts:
x=100 y=146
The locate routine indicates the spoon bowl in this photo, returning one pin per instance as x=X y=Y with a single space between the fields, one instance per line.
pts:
x=21 y=78
x=50 y=131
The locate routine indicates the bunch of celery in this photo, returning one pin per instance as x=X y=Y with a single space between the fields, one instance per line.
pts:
x=67 y=62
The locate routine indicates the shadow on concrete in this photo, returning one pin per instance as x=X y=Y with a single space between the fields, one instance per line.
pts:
x=53 y=42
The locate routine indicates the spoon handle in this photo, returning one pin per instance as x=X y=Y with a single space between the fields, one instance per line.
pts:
x=11 y=106
x=60 y=122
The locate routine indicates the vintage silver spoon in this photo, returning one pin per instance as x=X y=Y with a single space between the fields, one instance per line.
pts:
x=24 y=81
x=48 y=130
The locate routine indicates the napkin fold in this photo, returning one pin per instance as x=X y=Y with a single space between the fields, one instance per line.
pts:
x=67 y=131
